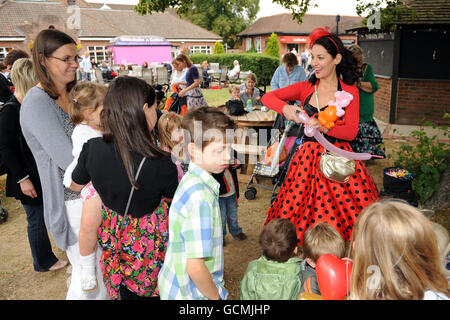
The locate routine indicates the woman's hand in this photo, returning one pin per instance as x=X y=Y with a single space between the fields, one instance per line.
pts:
x=182 y=93
x=290 y=112
x=28 y=188
x=313 y=122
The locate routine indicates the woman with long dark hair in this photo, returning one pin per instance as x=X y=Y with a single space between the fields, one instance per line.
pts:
x=307 y=196
x=47 y=128
x=134 y=241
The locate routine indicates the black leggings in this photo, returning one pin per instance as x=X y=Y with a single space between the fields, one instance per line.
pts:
x=126 y=294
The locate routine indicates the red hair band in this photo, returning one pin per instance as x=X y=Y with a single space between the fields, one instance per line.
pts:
x=319 y=33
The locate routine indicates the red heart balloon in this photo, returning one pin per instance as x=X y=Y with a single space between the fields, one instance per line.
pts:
x=333 y=276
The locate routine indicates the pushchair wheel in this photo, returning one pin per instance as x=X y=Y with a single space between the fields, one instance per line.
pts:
x=250 y=193
x=3 y=215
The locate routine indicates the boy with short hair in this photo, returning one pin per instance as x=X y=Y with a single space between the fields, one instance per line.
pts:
x=317 y=241
x=193 y=265
x=275 y=275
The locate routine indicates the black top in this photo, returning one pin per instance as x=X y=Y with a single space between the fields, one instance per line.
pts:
x=101 y=163
x=5 y=90
x=17 y=155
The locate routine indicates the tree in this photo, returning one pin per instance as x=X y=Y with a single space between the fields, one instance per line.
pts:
x=388 y=10
x=273 y=46
x=224 y=17
x=218 y=48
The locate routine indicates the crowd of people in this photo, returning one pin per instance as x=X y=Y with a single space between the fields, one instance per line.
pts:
x=141 y=205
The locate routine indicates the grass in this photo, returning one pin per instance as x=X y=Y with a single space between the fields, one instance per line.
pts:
x=218 y=97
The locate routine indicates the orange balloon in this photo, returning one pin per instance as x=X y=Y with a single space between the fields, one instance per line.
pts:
x=328 y=116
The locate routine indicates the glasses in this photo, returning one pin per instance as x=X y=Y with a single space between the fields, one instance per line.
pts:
x=68 y=60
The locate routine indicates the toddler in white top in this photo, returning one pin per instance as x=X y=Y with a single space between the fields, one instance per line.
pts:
x=85 y=105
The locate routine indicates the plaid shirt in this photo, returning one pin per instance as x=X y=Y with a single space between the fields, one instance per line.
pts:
x=195 y=231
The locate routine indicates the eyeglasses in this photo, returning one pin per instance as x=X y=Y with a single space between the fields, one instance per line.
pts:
x=68 y=60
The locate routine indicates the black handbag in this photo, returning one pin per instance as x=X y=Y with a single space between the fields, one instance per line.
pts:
x=235 y=107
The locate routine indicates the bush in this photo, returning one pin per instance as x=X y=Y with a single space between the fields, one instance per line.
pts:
x=426 y=159
x=263 y=66
x=273 y=47
x=218 y=48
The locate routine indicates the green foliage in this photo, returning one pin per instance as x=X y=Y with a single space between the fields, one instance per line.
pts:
x=263 y=66
x=273 y=46
x=426 y=159
x=297 y=7
x=218 y=48
x=224 y=17
x=391 y=10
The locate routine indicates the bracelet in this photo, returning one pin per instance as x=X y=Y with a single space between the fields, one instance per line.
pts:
x=23 y=179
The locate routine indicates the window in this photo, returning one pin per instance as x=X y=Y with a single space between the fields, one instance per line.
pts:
x=258 y=46
x=248 y=43
x=3 y=52
x=99 y=53
x=200 y=49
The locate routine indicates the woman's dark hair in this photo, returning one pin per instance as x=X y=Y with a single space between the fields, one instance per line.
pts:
x=290 y=59
x=348 y=68
x=124 y=123
x=47 y=42
x=184 y=58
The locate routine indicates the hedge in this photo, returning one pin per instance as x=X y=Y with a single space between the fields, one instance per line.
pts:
x=263 y=66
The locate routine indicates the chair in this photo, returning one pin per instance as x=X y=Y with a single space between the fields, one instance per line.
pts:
x=122 y=72
x=201 y=78
x=99 y=76
x=147 y=76
x=223 y=75
x=162 y=76
x=214 y=66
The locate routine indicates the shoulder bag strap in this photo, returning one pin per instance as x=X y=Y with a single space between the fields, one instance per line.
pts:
x=318 y=106
x=133 y=188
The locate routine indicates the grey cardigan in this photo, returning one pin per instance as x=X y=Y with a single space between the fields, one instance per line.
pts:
x=43 y=126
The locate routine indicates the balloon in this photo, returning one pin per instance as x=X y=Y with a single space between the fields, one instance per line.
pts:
x=328 y=116
x=309 y=296
x=333 y=276
x=312 y=132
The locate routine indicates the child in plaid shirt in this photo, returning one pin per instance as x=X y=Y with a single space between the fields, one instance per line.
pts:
x=193 y=265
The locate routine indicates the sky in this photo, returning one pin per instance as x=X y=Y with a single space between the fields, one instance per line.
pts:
x=267 y=8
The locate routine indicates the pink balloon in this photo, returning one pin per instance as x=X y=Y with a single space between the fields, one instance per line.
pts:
x=310 y=131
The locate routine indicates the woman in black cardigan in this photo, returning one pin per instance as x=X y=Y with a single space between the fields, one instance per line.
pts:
x=22 y=181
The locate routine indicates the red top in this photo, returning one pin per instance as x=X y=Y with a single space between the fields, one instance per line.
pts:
x=346 y=129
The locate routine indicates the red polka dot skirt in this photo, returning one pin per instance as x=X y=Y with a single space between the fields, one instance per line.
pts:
x=306 y=197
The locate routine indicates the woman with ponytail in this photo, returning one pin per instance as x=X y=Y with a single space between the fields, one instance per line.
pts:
x=307 y=196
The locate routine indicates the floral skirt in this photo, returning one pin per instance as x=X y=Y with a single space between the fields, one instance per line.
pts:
x=369 y=139
x=142 y=244
x=306 y=197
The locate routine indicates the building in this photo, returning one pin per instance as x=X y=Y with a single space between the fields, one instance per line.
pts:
x=293 y=35
x=412 y=64
x=94 y=25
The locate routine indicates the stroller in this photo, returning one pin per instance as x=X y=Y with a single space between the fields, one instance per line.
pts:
x=275 y=171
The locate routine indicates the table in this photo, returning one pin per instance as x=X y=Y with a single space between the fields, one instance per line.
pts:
x=258 y=119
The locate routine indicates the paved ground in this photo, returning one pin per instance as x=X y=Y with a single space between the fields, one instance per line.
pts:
x=389 y=130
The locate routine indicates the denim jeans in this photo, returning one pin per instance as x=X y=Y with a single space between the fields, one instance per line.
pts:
x=229 y=211
x=41 y=248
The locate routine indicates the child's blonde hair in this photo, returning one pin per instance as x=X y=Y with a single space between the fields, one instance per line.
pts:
x=322 y=239
x=166 y=124
x=232 y=88
x=85 y=95
x=23 y=76
x=395 y=255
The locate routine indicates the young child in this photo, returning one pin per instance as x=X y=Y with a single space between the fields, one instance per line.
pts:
x=171 y=140
x=275 y=275
x=318 y=240
x=234 y=92
x=85 y=105
x=228 y=200
x=249 y=91
x=395 y=255
x=193 y=265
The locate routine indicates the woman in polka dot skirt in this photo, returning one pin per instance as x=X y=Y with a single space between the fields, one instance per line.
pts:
x=306 y=196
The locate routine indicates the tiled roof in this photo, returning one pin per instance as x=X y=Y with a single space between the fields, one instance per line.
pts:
x=426 y=12
x=283 y=23
x=100 y=23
